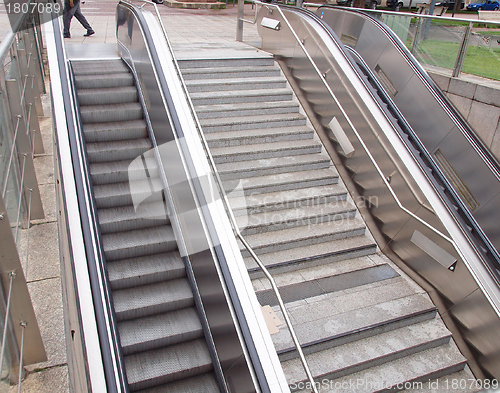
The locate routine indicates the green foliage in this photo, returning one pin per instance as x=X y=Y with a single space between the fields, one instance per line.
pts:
x=479 y=60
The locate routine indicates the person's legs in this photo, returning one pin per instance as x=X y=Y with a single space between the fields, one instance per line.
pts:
x=68 y=13
x=79 y=16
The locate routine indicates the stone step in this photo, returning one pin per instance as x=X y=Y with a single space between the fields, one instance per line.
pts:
x=258 y=136
x=223 y=63
x=230 y=72
x=240 y=96
x=253 y=122
x=246 y=109
x=226 y=84
x=147 y=300
x=104 y=96
x=284 y=181
x=111 y=112
x=269 y=166
x=315 y=255
x=264 y=150
x=140 y=242
x=115 y=131
x=275 y=201
x=160 y=330
x=304 y=216
x=119 y=194
x=415 y=347
x=286 y=239
x=331 y=329
x=185 y=360
x=127 y=218
x=117 y=150
x=134 y=272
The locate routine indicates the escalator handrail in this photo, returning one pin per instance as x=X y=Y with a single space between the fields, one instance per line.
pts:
x=228 y=209
x=346 y=116
x=437 y=173
x=105 y=319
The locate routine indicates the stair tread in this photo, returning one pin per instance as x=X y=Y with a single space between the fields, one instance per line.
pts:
x=330 y=324
x=225 y=70
x=281 y=199
x=256 y=133
x=382 y=349
x=245 y=166
x=145 y=300
x=334 y=248
x=160 y=330
x=145 y=270
x=421 y=366
x=245 y=105
x=239 y=93
x=286 y=216
x=287 y=177
x=297 y=235
x=167 y=364
x=272 y=146
x=225 y=121
x=226 y=81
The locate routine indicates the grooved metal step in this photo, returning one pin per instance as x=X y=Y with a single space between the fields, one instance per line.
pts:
x=167 y=364
x=160 y=331
x=146 y=300
x=127 y=273
x=204 y=383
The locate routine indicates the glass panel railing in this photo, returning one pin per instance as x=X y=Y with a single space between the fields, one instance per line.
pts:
x=483 y=52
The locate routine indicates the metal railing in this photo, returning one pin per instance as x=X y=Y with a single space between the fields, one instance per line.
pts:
x=415 y=34
x=230 y=214
x=21 y=82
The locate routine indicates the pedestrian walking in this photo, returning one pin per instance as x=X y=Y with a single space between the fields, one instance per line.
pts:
x=72 y=8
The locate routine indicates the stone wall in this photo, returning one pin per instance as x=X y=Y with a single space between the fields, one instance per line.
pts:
x=479 y=102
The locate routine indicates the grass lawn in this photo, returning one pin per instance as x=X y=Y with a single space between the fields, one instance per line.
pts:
x=481 y=61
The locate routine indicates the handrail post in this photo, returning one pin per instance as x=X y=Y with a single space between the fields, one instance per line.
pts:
x=241 y=14
x=461 y=53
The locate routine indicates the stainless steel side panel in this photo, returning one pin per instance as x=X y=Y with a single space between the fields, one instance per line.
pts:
x=408 y=205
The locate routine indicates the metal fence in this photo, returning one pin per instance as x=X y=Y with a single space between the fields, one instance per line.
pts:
x=21 y=83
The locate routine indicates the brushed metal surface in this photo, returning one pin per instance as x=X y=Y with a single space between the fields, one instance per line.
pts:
x=434 y=127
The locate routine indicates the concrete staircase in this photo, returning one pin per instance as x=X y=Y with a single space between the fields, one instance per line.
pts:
x=364 y=325
x=160 y=331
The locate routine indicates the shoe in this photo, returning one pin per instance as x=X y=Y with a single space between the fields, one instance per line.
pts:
x=89 y=33
x=67 y=36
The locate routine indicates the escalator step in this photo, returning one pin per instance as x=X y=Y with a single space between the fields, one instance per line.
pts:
x=128 y=273
x=119 y=194
x=95 y=81
x=137 y=243
x=204 y=383
x=111 y=66
x=128 y=218
x=114 y=131
x=117 y=150
x=147 y=300
x=103 y=96
x=157 y=331
x=111 y=112
x=123 y=171
x=168 y=364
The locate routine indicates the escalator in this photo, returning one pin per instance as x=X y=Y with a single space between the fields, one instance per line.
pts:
x=153 y=297
x=403 y=147
x=160 y=332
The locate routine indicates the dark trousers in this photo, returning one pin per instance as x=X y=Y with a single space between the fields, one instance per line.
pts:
x=75 y=11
